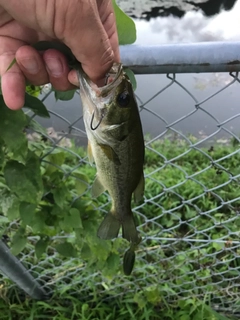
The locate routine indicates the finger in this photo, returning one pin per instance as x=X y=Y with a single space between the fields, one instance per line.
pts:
x=32 y=65
x=58 y=69
x=13 y=80
x=107 y=16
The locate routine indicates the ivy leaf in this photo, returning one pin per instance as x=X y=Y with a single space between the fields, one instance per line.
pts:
x=131 y=77
x=12 y=124
x=125 y=26
x=41 y=246
x=27 y=211
x=66 y=249
x=36 y=105
x=19 y=241
x=64 y=95
x=25 y=180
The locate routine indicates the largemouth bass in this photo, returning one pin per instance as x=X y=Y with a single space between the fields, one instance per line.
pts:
x=116 y=144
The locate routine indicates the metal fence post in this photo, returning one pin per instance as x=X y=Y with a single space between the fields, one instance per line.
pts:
x=15 y=271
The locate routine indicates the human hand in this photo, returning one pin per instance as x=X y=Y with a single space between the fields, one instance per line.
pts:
x=87 y=27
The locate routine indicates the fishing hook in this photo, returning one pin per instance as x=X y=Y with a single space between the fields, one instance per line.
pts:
x=91 y=123
x=106 y=78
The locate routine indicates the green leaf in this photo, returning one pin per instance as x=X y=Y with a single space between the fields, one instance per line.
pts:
x=112 y=265
x=64 y=95
x=27 y=211
x=11 y=64
x=59 y=194
x=25 y=180
x=36 y=106
x=81 y=182
x=2 y=154
x=217 y=316
x=73 y=219
x=9 y=204
x=12 y=125
x=57 y=158
x=152 y=294
x=38 y=223
x=19 y=241
x=131 y=77
x=125 y=26
x=140 y=299
x=66 y=249
x=13 y=211
x=86 y=253
x=33 y=90
x=41 y=246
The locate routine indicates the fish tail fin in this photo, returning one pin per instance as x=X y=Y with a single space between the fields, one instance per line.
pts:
x=109 y=228
x=129 y=231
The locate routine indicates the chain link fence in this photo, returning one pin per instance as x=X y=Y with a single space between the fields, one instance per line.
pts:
x=190 y=219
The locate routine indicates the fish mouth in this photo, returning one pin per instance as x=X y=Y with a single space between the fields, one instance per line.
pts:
x=113 y=78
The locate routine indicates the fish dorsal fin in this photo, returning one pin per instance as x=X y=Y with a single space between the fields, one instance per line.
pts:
x=97 y=187
x=110 y=153
x=90 y=155
x=139 y=191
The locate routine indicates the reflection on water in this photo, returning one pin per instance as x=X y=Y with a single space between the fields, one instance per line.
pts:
x=194 y=26
x=147 y=9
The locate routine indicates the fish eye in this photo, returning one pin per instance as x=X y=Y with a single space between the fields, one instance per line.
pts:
x=123 y=99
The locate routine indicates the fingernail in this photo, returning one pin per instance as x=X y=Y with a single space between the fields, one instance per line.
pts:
x=30 y=65
x=54 y=66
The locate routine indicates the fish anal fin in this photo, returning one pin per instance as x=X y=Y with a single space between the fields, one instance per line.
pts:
x=139 y=191
x=90 y=155
x=109 y=228
x=97 y=188
x=110 y=153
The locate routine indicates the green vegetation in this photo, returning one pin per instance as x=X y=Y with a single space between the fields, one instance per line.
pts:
x=54 y=221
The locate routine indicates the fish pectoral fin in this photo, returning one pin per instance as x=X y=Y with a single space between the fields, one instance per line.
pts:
x=109 y=228
x=97 y=188
x=139 y=191
x=110 y=153
x=90 y=155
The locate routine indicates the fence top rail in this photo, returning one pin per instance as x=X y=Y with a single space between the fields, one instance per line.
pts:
x=182 y=58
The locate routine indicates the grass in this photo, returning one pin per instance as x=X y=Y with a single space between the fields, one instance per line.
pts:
x=187 y=264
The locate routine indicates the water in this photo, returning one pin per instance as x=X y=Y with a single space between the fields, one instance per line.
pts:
x=192 y=26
